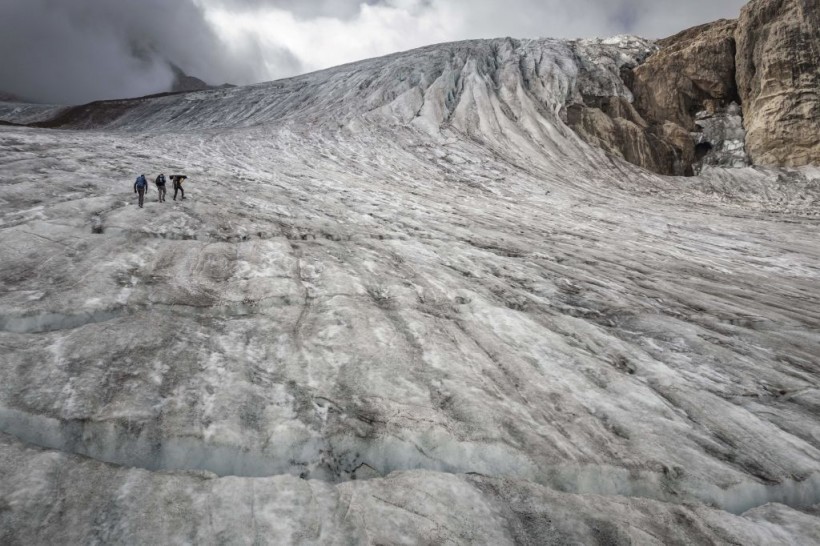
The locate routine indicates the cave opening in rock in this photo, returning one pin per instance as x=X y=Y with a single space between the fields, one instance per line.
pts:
x=701 y=150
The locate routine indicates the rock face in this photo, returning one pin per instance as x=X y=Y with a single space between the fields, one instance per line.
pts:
x=767 y=61
x=616 y=127
x=691 y=74
x=778 y=76
x=183 y=82
x=604 y=116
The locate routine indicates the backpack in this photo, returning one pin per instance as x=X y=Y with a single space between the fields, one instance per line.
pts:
x=141 y=183
x=161 y=180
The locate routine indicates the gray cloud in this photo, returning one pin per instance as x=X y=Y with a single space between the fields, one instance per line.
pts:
x=80 y=50
x=74 y=51
x=303 y=9
x=589 y=18
x=527 y=18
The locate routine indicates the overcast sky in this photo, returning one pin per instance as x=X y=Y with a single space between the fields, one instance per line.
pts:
x=74 y=51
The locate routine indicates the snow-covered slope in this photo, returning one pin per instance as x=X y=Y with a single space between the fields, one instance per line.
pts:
x=402 y=303
x=23 y=113
x=456 y=83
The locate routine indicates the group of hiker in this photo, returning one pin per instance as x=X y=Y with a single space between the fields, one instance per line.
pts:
x=141 y=186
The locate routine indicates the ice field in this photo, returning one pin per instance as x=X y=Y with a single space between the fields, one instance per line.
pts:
x=402 y=303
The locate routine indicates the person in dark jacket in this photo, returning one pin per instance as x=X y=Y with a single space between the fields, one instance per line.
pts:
x=140 y=187
x=160 y=182
x=177 y=180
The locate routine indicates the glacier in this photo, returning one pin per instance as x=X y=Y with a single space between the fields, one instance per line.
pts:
x=402 y=303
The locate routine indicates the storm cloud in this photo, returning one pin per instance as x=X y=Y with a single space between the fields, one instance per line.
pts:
x=81 y=50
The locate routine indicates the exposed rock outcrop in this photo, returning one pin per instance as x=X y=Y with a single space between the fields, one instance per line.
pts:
x=778 y=76
x=692 y=72
x=183 y=82
x=727 y=93
x=614 y=125
x=690 y=76
x=681 y=88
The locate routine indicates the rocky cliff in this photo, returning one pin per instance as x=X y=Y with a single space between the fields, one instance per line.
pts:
x=778 y=77
x=695 y=94
x=690 y=74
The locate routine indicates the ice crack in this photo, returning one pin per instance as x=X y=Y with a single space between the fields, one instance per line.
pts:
x=343 y=459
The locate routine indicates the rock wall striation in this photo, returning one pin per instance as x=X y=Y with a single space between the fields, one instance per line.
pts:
x=778 y=78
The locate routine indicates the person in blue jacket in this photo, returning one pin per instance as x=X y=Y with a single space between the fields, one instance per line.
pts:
x=140 y=187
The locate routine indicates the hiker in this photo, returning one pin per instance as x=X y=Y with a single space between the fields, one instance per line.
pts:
x=177 y=180
x=160 y=182
x=140 y=187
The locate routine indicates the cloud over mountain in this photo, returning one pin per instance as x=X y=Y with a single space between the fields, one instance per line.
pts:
x=83 y=50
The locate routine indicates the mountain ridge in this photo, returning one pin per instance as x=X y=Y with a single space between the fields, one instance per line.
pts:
x=650 y=119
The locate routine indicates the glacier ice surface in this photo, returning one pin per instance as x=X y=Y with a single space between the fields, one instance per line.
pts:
x=403 y=302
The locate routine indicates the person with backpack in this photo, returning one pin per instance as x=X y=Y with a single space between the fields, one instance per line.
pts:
x=140 y=187
x=177 y=180
x=160 y=182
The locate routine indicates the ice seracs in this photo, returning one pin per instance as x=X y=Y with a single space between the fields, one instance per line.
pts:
x=721 y=139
